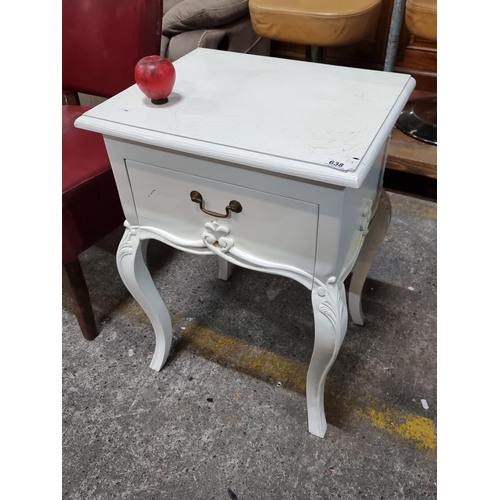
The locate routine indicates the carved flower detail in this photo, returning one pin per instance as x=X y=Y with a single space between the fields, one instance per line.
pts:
x=215 y=233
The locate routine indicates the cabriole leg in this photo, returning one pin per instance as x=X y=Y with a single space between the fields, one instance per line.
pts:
x=130 y=259
x=371 y=245
x=330 y=325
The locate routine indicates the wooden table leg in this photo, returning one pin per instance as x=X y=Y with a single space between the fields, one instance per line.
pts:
x=75 y=286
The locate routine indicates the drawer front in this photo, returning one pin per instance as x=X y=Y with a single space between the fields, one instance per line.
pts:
x=270 y=228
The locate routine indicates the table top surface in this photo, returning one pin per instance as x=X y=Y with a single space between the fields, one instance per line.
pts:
x=270 y=113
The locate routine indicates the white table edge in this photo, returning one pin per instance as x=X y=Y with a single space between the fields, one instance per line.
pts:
x=252 y=159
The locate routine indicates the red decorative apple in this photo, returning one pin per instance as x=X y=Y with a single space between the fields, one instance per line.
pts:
x=155 y=76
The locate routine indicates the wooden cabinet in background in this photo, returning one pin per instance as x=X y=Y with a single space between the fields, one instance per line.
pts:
x=415 y=56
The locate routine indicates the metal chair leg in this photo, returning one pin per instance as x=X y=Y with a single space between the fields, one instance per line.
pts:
x=315 y=54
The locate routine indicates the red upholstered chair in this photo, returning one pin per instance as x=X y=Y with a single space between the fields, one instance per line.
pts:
x=102 y=40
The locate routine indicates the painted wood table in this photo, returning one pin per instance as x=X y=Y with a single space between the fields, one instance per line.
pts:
x=270 y=164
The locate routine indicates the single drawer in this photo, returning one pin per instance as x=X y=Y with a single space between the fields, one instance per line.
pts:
x=270 y=228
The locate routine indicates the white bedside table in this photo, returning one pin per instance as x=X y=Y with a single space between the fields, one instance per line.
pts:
x=271 y=164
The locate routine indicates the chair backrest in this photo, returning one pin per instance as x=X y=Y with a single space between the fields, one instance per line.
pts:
x=102 y=40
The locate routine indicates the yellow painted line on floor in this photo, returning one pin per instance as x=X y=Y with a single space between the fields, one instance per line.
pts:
x=131 y=309
x=420 y=430
x=244 y=357
x=264 y=365
x=261 y=364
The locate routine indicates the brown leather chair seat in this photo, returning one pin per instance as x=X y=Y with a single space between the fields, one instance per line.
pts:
x=421 y=18
x=315 y=22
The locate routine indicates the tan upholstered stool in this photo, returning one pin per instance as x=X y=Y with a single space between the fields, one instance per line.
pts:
x=315 y=23
x=421 y=18
x=419 y=118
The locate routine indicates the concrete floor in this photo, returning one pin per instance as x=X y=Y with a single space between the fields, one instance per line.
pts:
x=226 y=417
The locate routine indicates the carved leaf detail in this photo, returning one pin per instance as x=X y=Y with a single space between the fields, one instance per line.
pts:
x=208 y=238
x=126 y=248
x=331 y=296
x=225 y=243
x=216 y=233
x=327 y=309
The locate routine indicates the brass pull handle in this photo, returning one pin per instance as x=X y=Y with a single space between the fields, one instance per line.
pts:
x=234 y=206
